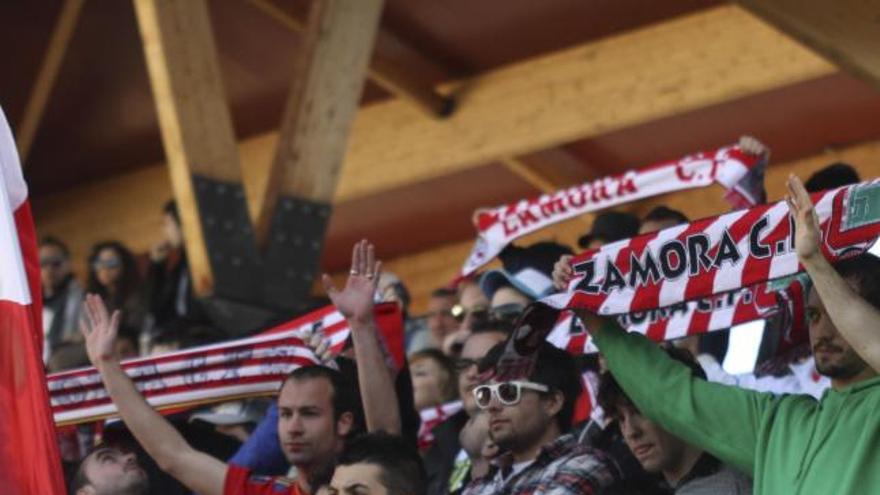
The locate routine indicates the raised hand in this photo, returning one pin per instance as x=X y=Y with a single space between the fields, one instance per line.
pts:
x=355 y=300
x=562 y=272
x=99 y=329
x=805 y=219
x=752 y=146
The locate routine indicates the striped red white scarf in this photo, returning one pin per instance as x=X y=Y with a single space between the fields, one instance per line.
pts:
x=739 y=173
x=216 y=373
x=732 y=256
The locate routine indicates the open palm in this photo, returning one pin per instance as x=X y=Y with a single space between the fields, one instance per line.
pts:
x=806 y=221
x=99 y=329
x=355 y=300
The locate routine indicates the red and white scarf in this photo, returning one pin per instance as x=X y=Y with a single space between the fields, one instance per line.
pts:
x=737 y=252
x=740 y=173
x=215 y=373
x=432 y=417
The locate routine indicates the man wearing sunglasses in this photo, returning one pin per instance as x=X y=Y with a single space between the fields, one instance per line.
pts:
x=529 y=420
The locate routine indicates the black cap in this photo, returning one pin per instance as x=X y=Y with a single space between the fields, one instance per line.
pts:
x=611 y=226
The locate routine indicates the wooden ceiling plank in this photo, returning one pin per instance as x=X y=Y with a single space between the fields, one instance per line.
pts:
x=194 y=117
x=321 y=105
x=405 y=84
x=532 y=175
x=846 y=33
x=699 y=60
x=48 y=73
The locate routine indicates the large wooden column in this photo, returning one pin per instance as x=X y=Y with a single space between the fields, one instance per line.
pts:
x=200 y=145
x=324 y=96
x=846 y=33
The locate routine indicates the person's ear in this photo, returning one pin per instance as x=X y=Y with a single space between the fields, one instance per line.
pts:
x=553 y=403
x=86 y=490
x=344 y=424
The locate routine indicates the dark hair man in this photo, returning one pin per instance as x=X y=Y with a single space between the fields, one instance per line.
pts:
x=440 y=321
x=661 y=217
x=378 y=464
x=835 y=175
x=107 y=470
x=314 y=417
x=441 y=458
x=528 y=420
x=789 y=444
x=688 y=469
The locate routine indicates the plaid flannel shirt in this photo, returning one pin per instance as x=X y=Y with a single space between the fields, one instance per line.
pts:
x=563 y=467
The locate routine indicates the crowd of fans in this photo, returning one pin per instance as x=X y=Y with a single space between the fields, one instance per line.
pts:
x=668 y=419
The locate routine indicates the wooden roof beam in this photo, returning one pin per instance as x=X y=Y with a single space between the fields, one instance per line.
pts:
x=846 y=33
x=406 y=84
x=193 y=114
x=48 y=73
x=323 y=100
x=677 y=66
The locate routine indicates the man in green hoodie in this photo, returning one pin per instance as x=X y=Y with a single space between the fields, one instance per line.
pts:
x=789 y=444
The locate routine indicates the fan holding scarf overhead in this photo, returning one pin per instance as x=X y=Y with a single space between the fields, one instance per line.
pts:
x=790 y=443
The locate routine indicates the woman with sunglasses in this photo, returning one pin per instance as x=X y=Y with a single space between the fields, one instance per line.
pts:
x=113 y=274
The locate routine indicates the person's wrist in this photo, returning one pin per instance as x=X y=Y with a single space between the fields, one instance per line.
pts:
x=104 y=363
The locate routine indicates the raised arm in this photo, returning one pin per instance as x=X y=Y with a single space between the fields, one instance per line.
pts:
x=355 y=302
x=722 y=420
x=197 y=470
x=854 y=318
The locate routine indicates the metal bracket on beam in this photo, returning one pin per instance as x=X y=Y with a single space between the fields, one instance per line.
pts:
x=293 y=250
x=229 y=238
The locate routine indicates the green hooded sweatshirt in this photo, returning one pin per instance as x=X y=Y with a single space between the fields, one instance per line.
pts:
x=788 y=444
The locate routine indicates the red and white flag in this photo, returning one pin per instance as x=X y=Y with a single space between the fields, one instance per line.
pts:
x=741 y=175
x=29 y=460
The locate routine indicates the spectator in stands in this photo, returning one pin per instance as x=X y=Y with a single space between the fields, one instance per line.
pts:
x=440 y=321
x=687 y=469
x=169 y=282
x=789 y=443
x=62 y=297
x=113 y=274
x=433 y=379
x=525 y=276
x=609 y=226
x=378 y=464
x=236 y=419
x=529 y=420
x=835 y=175
x=127 y=344
x=107 y=470
x=478 y=450
x=314 y=417
x=661 y=217
x=444 y=456
x=472 y=311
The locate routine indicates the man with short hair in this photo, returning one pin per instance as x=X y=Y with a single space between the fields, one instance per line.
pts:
x=314 y=411
x=109 y=471
x=791 y=443
x=378 y=464
x=529 y=420
x=686 y=468
x=661 y=217
x=447 y=467
x=440 y=322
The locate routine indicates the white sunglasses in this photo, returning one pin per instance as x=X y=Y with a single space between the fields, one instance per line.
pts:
x=507 y=393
